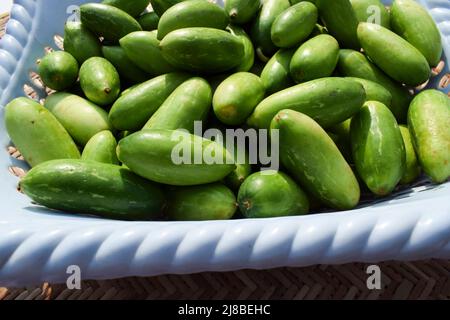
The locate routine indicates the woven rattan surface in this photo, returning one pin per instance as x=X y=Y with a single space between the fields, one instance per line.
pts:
x=399 y=280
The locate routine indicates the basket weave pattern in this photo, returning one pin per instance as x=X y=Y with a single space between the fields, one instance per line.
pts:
x=418 y=280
